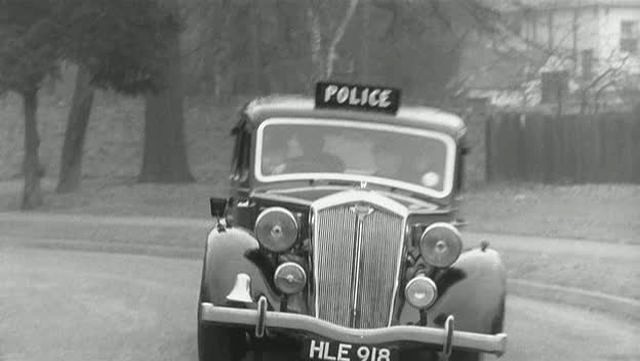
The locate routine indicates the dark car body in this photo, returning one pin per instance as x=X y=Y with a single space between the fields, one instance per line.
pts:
x=241 y=307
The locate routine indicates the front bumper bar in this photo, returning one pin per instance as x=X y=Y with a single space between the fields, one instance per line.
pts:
x=469 y=341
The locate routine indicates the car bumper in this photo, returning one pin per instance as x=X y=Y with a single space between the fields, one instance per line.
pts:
x=436 y=337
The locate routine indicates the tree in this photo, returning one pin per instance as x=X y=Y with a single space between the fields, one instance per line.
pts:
x=402 y=43
x=29 y=51
x=556 y=66
x=119 y=45
x=75 y=133
x=164 y=155
x=326 y=35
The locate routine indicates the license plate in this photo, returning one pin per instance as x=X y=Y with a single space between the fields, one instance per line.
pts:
x=320 y=350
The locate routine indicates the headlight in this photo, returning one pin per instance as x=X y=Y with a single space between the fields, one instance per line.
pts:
x=440 y=244
x=421 y=291
x=276 y=229
x=290 y=278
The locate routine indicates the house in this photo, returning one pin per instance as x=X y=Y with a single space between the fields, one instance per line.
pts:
x=588 y=50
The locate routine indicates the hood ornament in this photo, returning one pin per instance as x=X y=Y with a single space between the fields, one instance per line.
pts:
x=361 y=209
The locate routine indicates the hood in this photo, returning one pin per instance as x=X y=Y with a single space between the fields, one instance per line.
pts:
x=309 y=194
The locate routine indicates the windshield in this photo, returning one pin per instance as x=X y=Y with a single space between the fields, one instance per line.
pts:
x=400 y=157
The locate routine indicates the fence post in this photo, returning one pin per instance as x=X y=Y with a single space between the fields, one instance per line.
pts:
x=488 y=143
x=635 y=146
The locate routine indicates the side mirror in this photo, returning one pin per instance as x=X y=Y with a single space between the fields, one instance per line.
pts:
x=459 y=223
x=218 y=206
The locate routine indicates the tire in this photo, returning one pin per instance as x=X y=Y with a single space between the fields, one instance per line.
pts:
x=466 y=356
x=216 y=343
x=219 y=343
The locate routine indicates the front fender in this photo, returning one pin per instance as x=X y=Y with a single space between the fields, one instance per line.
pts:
x=229 y=252
x=473 y=290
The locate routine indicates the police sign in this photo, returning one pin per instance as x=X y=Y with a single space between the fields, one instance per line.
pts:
x=357 y=97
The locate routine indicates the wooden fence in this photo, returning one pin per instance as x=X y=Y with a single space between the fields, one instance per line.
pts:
x=603 y=148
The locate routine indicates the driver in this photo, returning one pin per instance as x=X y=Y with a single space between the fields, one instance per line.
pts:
x=313 y=157
x=274 y=153
x=394 y=161
x=387 y=160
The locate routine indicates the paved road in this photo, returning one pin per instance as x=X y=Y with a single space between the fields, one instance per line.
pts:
x=80 y=306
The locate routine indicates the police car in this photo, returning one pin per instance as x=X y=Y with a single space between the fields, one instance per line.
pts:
x=339 y=239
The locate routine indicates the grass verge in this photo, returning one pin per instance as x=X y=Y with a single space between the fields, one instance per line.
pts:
x=602 y=213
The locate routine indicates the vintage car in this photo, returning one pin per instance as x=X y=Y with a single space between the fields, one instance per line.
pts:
x=339 y=241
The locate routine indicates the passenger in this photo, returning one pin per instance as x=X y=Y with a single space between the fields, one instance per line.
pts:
x=397 y=160
x=388 y=161
x=419 y=166
x=314 y=158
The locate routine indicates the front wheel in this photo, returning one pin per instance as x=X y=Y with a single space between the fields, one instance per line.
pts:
x=218 y=343
x=466 y=356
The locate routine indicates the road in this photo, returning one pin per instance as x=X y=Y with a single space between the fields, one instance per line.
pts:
x=80 y=306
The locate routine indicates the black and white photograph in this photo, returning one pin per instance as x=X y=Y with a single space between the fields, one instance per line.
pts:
x=319 y=180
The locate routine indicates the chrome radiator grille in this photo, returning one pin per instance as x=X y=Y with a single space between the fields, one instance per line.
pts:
x=341 y=240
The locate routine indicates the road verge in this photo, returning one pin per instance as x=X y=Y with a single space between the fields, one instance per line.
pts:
x=179 y=237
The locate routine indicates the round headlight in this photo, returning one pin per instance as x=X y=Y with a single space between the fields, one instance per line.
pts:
x=276 y=229
x=440 y=244
x=421 y=292
x=290 y=278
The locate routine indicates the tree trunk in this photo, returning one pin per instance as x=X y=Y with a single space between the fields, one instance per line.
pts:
x=164 y=156
x=332 y=54
x=256 y=58
x=72 y=149
x=31 y=194
x=318 y=65
x=363 y=73
x=324 y=43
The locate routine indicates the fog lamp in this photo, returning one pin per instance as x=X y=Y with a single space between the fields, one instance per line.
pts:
x=276 y=229
x=290 y=278
x=440 y=244
x=421 y=292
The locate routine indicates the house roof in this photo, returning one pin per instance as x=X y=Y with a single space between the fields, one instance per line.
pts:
x=516 y=5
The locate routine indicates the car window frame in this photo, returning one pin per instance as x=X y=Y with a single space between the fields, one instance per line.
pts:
x=241 y=157
x=448 y=140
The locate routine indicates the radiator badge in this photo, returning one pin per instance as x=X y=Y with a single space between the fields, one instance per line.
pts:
x=361 y=210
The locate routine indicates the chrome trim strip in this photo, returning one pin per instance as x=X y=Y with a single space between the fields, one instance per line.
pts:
x=354 y=196
x=470 y=341
x=313 y=215
x=358 y=195
x=355 y=274
x=448 y=141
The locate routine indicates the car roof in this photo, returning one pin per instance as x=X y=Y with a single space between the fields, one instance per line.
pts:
x=421 y=117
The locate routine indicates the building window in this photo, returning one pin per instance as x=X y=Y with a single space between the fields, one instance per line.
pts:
x=629 y=36
x=587 y=64
x=555 y=86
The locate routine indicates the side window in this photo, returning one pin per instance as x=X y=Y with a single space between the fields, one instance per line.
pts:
x=241 y=153
x=460 y=167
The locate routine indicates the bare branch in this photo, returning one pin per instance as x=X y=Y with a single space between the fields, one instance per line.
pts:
x=331 y=54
